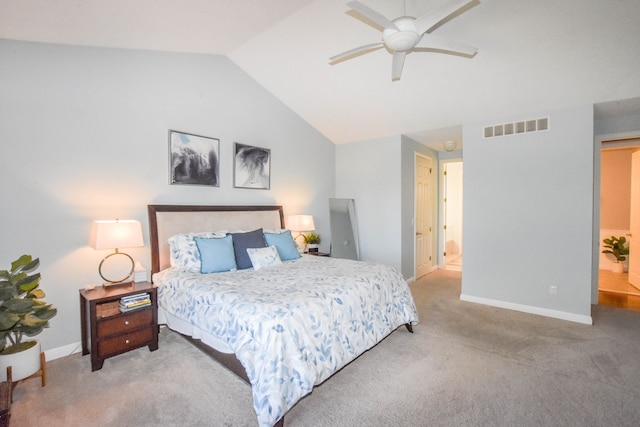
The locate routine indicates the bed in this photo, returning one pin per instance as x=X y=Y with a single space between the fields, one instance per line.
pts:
x=284 y=325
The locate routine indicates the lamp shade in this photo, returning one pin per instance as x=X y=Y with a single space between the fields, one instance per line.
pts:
x=301 y=223
x=114 y=234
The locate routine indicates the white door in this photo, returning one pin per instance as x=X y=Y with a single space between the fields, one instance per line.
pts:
x=634 y=223
x=423 y=216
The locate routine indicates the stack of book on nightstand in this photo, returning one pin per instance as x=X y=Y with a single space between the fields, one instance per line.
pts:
x=132 y=302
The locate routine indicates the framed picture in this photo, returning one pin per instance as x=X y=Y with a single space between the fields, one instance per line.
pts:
x=193 y=159
x=252 y=167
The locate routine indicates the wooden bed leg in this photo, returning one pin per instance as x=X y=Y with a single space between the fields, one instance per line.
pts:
x=280 y=422
x=409 y=327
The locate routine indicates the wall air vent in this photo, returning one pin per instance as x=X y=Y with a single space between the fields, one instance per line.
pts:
x=524 y=126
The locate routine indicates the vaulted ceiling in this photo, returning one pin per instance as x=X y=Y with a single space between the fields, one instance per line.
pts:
x=534 y=55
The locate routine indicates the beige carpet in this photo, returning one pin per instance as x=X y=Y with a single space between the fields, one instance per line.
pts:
x=466 y=365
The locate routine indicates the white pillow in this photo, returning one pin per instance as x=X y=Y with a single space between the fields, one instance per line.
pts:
x=184 y=252
x=263 y=257
x=275 y=230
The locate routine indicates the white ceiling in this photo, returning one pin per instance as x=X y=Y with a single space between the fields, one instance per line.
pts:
x=534 y=55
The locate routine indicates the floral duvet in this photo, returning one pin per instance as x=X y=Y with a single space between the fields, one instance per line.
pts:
x=292 y=325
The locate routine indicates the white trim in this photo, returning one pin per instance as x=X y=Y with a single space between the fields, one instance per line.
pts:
x=65 y=350
x=620 y=140
x=563 y=315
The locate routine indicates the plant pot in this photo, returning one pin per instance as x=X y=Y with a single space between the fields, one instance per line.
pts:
x=313 y=247
x=618 y=267
x=23 y=363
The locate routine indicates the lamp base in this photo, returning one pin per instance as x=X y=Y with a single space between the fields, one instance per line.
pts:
x=121 y=279
x=300 y=241
x=112 y=284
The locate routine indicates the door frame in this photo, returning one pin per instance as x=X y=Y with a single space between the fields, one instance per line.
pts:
x=441 y=207
x=622 y=139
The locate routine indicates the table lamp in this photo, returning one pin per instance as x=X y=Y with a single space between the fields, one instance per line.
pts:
x=301 y=223
x=116 y=234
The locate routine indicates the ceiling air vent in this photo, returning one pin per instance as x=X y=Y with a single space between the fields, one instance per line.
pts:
x=524 y=126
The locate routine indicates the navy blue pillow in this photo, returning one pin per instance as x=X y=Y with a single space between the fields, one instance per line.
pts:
x=242 y=241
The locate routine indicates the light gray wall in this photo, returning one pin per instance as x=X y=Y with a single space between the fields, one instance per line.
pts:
x=528 y=214
x=615 y=125
x=370 y=173
x=84 y=133
x=379 y=176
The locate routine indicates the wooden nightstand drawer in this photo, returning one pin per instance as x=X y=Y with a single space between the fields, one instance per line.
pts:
x=123 y=343
x=125 y=322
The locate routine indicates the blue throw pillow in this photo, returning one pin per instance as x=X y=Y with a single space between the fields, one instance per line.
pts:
x=216 y=254
x=242 y=241
x=287 y=248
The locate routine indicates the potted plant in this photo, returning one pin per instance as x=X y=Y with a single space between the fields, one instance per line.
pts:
x=616 y=247
x=22 y=314
x=313 y=241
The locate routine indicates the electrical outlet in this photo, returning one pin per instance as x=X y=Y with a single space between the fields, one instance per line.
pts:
x=553 y=290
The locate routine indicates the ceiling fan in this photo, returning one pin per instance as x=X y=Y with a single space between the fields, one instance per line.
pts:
x=406 y=34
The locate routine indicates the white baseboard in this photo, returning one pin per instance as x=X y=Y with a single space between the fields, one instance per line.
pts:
x=65 y=350
x=563 y=315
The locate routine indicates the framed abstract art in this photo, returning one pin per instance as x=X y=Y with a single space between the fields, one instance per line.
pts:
x=193 y=159
x=252 y=167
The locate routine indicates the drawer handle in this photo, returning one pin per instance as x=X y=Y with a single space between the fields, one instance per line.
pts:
x=126 y=322
x=126 y=341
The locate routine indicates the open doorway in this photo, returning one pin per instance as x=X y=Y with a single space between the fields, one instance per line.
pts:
x=619 y=176
x=452 y=214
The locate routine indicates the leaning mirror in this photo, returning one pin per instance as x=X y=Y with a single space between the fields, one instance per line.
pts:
x=344 y=229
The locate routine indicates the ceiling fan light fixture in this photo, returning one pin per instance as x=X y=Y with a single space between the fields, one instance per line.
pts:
x=400 y=41
x=403 y=37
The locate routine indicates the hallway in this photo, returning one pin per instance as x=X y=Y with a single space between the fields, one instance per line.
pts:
x=614 y=290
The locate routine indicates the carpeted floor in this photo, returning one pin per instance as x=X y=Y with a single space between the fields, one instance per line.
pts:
x=465 y=365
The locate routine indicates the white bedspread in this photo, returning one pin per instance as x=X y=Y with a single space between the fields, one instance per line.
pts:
x=293 y=325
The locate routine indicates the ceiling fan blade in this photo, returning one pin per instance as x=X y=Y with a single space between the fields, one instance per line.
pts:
x=398 y=64
x=432 y=42
x=430 y=20
x=372 y=15
x=361 y=49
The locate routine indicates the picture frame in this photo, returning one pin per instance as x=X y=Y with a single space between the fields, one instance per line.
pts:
x=251 y=167
x=193 y=159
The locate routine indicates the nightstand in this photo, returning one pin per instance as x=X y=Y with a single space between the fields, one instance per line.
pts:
x=319 y=253
x=107 y=332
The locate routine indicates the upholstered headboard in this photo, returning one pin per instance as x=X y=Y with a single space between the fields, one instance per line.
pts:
x=167 y=220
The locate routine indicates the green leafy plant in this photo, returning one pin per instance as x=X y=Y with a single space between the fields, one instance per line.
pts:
x=312 y=238
x=22 y=312
x=616 y=247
